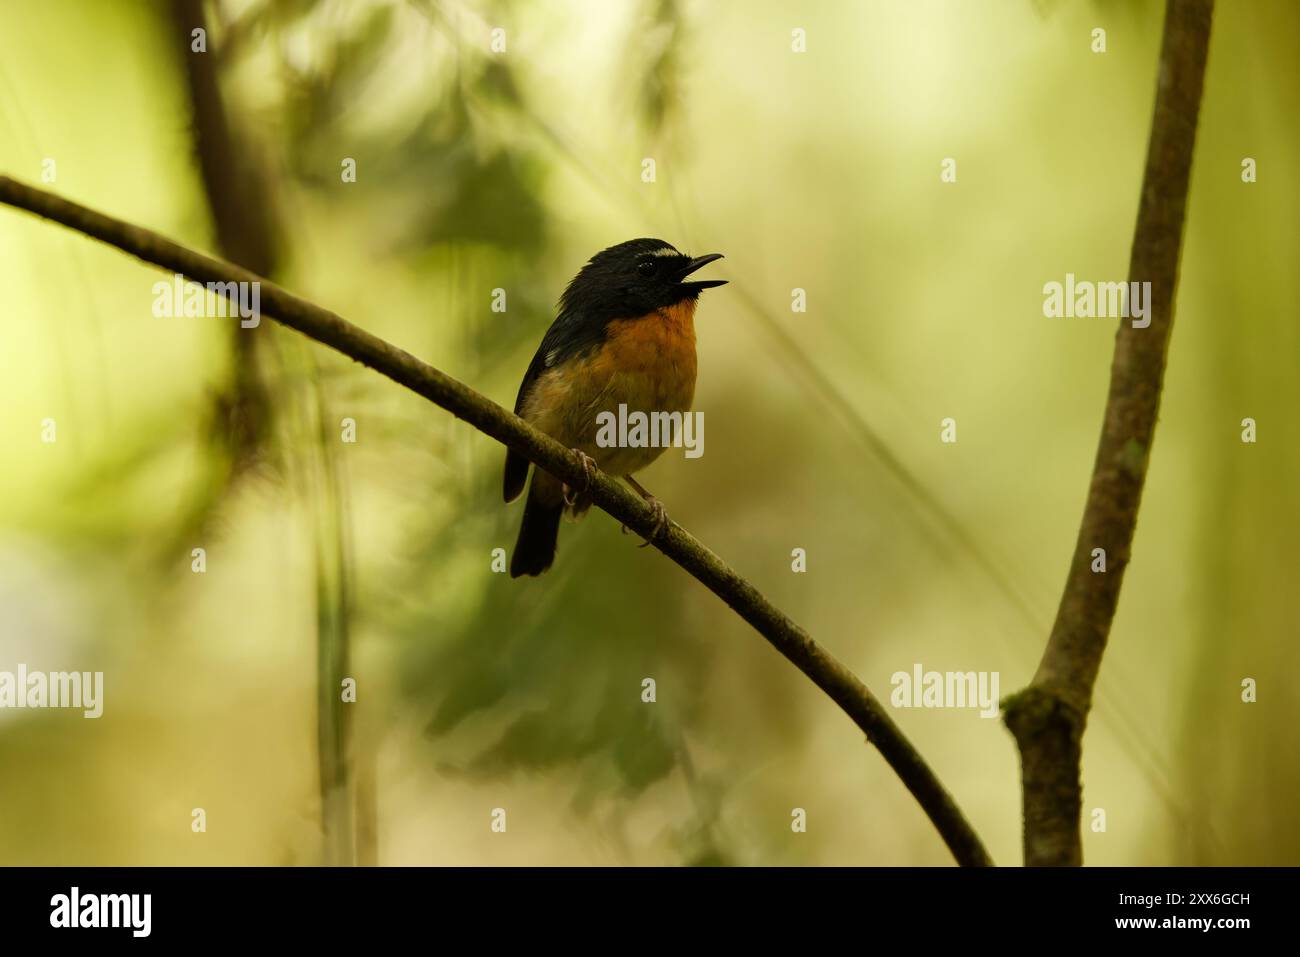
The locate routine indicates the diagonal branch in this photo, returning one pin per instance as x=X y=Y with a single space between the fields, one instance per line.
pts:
x=1048 y=718
x=825 y=671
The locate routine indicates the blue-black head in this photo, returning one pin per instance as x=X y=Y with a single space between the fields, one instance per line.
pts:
x=635 y=278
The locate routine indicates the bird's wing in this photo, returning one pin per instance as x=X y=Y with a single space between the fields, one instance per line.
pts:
x=570 y=335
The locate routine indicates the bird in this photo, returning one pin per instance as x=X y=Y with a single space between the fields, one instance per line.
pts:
x=624 y=333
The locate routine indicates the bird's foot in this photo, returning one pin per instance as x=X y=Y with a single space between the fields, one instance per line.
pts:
x=661 y=517
x=576 y=497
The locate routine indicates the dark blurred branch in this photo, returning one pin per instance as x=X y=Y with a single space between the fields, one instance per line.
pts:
x=235 y=190
x=333 y=648
x=827 y=672
x=241 y=214
x=1049 y=716
x=247 y=234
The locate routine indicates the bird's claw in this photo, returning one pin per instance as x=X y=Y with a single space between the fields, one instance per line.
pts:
x=661 y=520
x=573 y=497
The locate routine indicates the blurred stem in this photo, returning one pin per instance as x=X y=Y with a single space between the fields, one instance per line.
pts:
x=246 y=231
x=241 y=213
x=333 y=658
x=612 y=496
x=1048 y=718
x=367 y=808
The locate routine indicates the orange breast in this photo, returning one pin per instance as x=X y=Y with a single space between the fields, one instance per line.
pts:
x=658 y=350
x=647 y=364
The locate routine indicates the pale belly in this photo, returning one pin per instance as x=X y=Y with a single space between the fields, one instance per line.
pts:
x=573 y=415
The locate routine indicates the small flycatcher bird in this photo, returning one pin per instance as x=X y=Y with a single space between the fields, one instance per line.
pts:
x=625 y=333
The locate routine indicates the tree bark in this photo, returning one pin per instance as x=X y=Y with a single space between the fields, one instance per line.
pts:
x=1048 y=718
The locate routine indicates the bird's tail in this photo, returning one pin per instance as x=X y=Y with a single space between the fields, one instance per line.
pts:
x=535 y=547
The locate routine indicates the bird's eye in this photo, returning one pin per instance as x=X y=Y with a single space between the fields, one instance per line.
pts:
x=647 y=267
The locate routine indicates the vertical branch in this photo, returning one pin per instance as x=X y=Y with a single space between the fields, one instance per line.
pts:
x=1048 y=718
x=333 y=647
x=242 y=217
x=247 y=231
x=367 y=808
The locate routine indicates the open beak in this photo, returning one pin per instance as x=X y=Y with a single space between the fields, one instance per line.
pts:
x=699 y=263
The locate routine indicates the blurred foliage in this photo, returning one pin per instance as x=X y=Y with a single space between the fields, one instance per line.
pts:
x=480 y=170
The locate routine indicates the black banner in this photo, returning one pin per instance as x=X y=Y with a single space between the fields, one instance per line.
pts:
x=337 y=906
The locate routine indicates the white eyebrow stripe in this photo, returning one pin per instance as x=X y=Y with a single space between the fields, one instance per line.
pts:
x=665 y=251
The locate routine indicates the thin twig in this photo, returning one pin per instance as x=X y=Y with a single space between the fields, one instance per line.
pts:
x=827 y=672
x=1048 y=718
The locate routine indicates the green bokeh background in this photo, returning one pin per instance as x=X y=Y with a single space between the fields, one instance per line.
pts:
x=481 y=170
